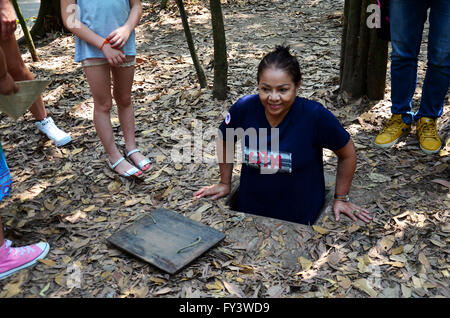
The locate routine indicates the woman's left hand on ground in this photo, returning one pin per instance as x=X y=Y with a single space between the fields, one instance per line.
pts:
x=351 y=210
x=214 y=191
x=119 y=37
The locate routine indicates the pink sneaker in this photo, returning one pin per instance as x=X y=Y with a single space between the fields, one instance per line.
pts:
x=13 y=259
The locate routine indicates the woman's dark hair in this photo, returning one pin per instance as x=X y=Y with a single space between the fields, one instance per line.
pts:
x=282 y=59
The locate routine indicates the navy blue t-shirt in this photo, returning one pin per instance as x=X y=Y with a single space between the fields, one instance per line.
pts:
x=282 y=171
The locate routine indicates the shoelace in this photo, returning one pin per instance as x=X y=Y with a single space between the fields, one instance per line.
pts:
x=7 y=243
x=51 y=128
x=45 y=121
x=392 y=125
x=22 y=250
x=428 y=129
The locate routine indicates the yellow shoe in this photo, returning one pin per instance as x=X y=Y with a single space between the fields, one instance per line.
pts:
x=394 y=129
x=429 y=140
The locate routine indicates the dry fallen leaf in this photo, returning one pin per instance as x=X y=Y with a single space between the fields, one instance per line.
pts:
x=114 y=186
x=445 y=183
x=233 y=289
x=162 y=291
x=344 y=282
x=320 y=230
x=100 y=219
x=397 y=250
x=217 y=285
x=154 y=175
x=157 y=280
x=306 y=263
x=135 y=292
x=406 y=291
x=48 y=262
x=275 y=291
x=196 y=216
x=387 y=242
x=89 y=208
x=44 y=290
x=60 y=279
x=377 y=177
x=75 y=217
x=76 y=151
x=13 y=288
x=353 y=228
x=363 y=285
x=423 y=259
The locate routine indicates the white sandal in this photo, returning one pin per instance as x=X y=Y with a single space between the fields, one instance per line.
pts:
x=129 y=173
x=142 y=163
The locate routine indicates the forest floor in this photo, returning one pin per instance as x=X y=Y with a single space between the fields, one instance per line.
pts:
x=69 y=197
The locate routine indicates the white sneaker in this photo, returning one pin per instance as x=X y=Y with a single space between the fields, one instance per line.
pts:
x=48 y=127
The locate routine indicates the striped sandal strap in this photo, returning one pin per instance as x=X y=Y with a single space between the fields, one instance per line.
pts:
x=132 y=152
x=144 y=162
x=112 y=166
x=131 y=172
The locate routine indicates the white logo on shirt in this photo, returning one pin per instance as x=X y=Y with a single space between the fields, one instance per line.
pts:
x=278 y=162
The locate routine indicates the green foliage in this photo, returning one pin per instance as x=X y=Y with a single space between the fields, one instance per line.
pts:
x=26 y=20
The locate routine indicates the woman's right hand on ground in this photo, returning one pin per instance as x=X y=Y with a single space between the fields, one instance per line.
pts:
x=114 y=56
x=7 y=85
x=214 y=191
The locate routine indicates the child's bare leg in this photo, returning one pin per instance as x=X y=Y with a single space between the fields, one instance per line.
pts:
x=19 y=71
x=99 y=80
x=122 y=85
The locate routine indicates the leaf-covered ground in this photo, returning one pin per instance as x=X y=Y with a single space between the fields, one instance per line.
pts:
x=70 y=198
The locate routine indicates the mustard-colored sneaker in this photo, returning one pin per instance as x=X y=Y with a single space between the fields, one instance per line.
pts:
x=392 y=131
x=429 y=140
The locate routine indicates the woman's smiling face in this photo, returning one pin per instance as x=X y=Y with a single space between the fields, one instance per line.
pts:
x=277 y=92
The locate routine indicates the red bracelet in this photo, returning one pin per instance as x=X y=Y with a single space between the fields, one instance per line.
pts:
x=107 y=42
x=104 y=42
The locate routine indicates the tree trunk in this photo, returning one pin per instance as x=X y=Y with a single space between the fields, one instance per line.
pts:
x=26 y=33
x=49 y=19
x=200 y=73
x=377 y=66
x=363 y=55
x=220 y=51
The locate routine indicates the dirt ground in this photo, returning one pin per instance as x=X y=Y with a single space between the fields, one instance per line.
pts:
x=68 y=197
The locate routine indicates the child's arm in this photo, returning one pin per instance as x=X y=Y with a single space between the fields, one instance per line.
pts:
x=7 y=85
x=74 y=25
x=119 y=37
x=7 y=20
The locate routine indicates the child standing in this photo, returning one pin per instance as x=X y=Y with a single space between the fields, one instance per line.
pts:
x=105 y=46
x=20 y=72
